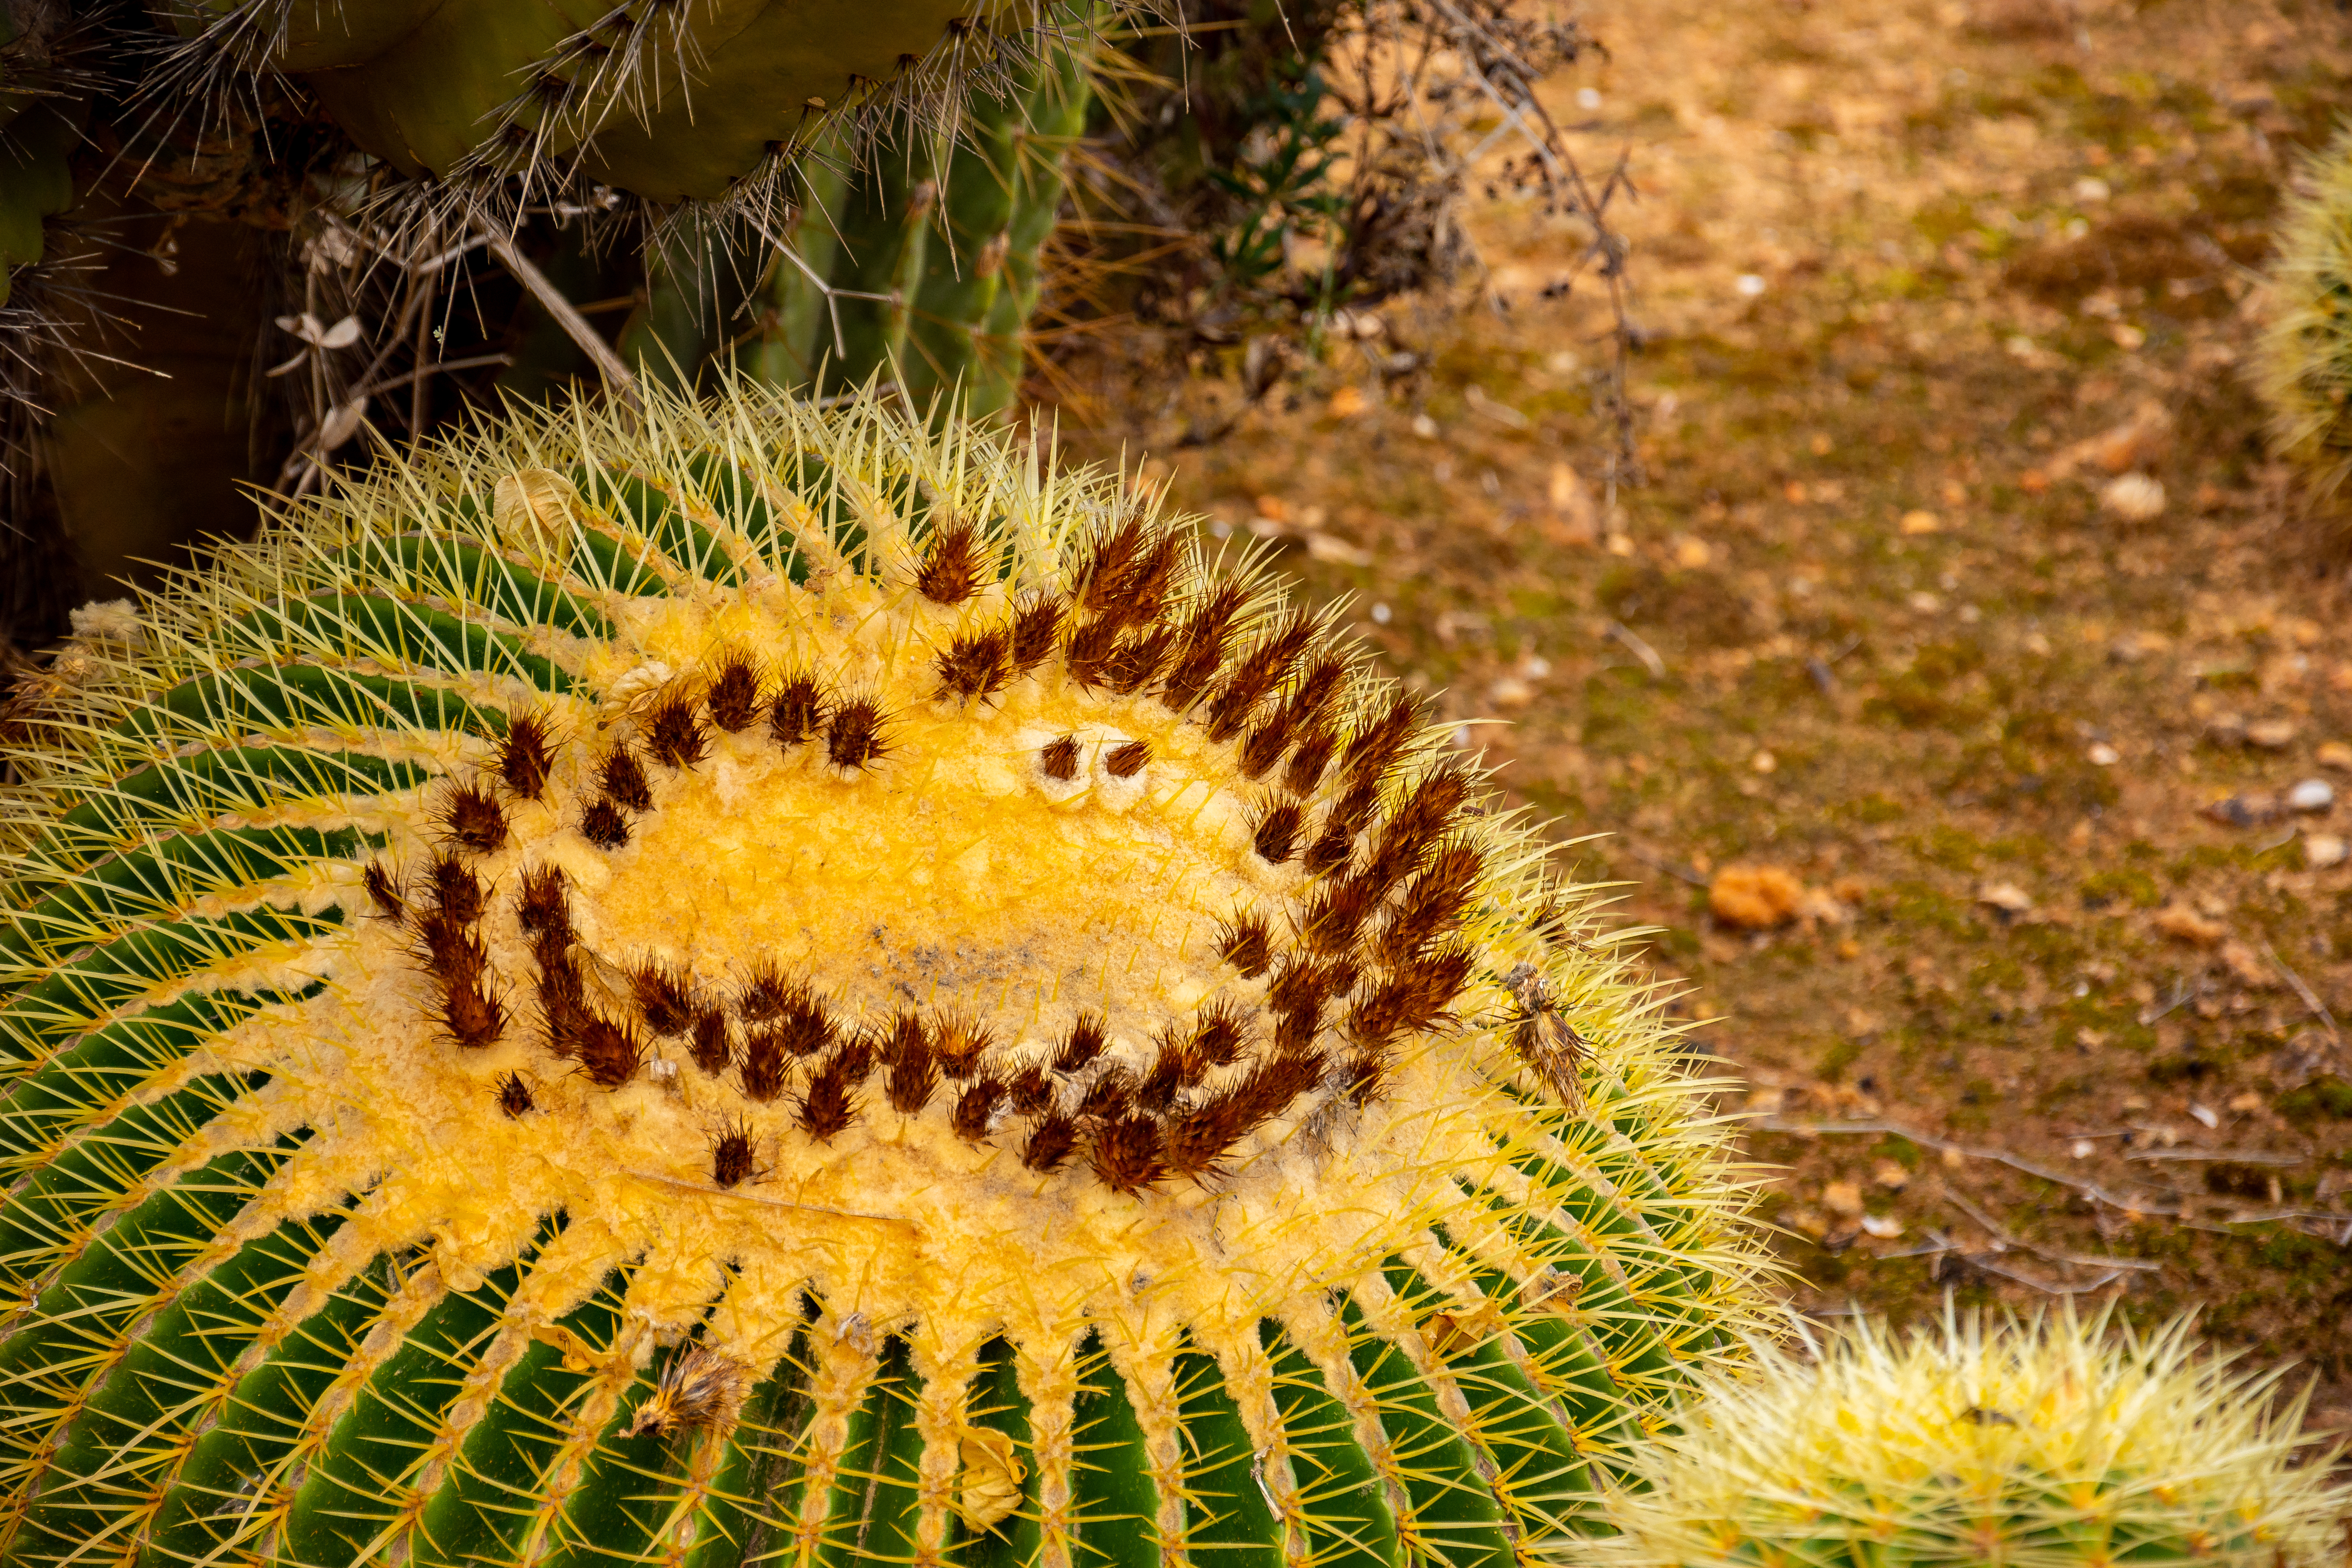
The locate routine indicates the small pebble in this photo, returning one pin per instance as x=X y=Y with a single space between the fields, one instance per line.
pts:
x=2134 y=497
x=2321 y=850
x=2103 y=755
x=2271 y=734
x=2312 y=795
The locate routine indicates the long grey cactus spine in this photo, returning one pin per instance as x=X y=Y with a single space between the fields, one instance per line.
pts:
x=397 y=1172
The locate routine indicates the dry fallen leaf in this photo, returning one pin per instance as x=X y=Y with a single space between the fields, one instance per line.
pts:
x=1755 y=896
x=2182 y=923
x=1843 y=1197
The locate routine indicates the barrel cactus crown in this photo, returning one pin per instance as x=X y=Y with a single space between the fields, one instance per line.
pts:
x=2048 y=1443
x=2304 y=367
x=758 y=986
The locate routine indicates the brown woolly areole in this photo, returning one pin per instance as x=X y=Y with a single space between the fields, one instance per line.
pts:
x=952 y=876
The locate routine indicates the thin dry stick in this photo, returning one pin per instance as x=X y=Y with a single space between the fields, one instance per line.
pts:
x=2318 y=1008
x=2007 y=1238
x=617 y=375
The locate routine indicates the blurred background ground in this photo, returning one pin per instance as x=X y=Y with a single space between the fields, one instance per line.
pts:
x=1965 y=699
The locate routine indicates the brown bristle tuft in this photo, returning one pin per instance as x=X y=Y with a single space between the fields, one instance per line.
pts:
x=1036 y=631
x=383 y=891
x=1109 y=578
x=1432 y=902
x=854 y=737
x=973 y=1107
x=473 y=818
x=664 y=993
x=731 y=1156
x=828 y=1107
x=855 y=1059
x=1336 y=913
x=1316 y=690
x=473 y=1013
x=624 y=778
x=805 y=1025
x=1059 y=760
x=1198 y=1143
x=1172 y=1068
x=1129 y=1154
x=1259 y=672
x=975 y=666
x=1298 y=985
x=1127 y=761
x=1107 y=1097
x=1247 y=944
x=604 y=826
x=1030 y=1091
x=1378 y=744
x=514 y=1095
x=1270 y=1088
x=543 y=907
x=708 y=1042
x=1413 y=997
x=953 y=565
x=1275 y=836
x=765 y=993
x=607 y=1052
x=1356 y=806
x=1200 y=646
x=1262 y=746
x=1051 y=1144
x=911 y=1067
x=1154 y=578
x=734 y=694
x=674 y=731
x=1294 y=1028
x=1217 y=1034
x=799 y=710
x=766 y=1065
x=1137 y=658
x=1420 y=819
x=457 y=892
x=958 y=1040
x=1362 y=1075
x=1328 y=850
x=1311 y=760
x=1088 y=1036
x=526 y=755
x=1090 y=652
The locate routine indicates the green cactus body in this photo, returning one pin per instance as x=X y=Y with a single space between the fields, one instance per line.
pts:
x=729 y=985
x=934 y=248
x=2039 y=1445
x=39 y=129
x=669 y=102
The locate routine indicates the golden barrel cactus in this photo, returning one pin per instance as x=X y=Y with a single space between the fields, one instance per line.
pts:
x=2303 y=368
x=2053 y=1442
x=766 y=986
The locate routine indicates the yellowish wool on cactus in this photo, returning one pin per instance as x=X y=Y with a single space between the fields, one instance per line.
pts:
x=741 y=984
x=2047 y=1443
x=2303 y=370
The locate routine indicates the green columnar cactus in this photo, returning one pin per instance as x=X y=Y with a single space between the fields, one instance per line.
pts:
x=733 y=985
x=931 y=251
x=2304 y=367
x=2045 y=1444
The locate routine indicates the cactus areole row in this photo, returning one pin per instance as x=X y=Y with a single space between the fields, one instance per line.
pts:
x=757 y=985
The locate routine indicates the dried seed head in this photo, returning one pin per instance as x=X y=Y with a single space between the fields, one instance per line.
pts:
x=457 y=892
x=543 y=906
x=911 y=1069
x=959 y=1040
x=699 y=1391
x=1127 y=761
x=1059 y=760
x=708 y=1042
x=974 y=1107
x=1379 y=744
x=734 y=694
x=526 y=755
x=1085 y=1042
x=1128 y=1154
x=665 y=993
x=1275 y=836
x=1260 y=670
x=1310 y=761
x=975 y=666
x=1051 y=1144
x=828 y=1107
x=1217 y=1034
x=1200 y=646
x=383 y=891
x=1036 y=631
x=607 y=1052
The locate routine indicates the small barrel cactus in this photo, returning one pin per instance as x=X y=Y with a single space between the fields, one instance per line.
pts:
x=736 y=985
x=2051 y=1443
x=2303 y=370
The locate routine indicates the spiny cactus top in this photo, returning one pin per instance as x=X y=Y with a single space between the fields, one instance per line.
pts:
x=2051 y=1442
x=758 y=986
x=2304 y=367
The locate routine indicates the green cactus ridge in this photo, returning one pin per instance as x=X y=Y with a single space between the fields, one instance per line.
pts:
x=2049 y=1443
x=694 y=987
x=669 y=102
